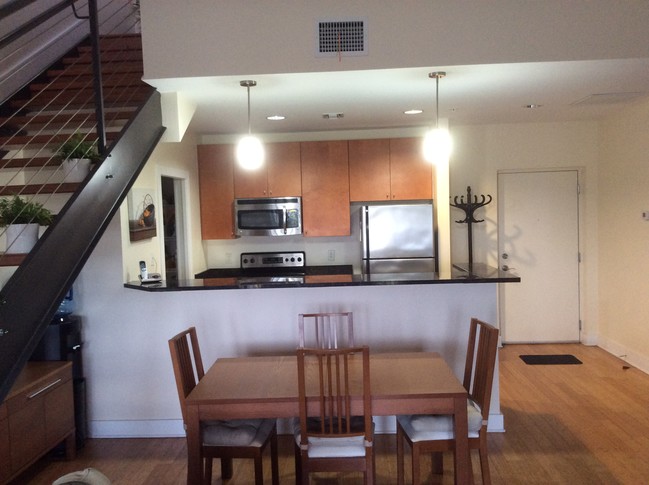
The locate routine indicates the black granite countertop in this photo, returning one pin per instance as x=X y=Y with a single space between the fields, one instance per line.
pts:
x=334 y=275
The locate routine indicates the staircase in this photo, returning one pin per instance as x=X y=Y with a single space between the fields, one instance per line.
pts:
x=124 y=121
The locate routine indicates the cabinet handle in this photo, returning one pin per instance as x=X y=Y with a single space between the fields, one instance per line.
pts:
x=40 y=391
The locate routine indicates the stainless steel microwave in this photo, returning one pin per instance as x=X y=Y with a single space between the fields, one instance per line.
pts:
x=273 y=216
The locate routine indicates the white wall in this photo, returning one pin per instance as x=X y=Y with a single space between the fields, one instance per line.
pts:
x=415 y=33
x=624 y=235
x=483 y=150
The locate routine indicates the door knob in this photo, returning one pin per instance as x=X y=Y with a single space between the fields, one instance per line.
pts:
x=504 y=267
x=505 y=256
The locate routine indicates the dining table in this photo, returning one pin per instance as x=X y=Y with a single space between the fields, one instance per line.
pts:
x=267 y=387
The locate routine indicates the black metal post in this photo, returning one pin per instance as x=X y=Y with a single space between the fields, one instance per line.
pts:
x=97 y=83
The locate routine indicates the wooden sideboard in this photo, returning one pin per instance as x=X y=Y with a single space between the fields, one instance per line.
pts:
x=37 y=415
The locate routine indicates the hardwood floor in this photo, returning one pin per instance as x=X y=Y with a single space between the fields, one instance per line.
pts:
x=565 y=424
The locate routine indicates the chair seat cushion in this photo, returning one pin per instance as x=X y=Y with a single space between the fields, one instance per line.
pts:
x=237 y=432
x=347 y=446
x=424 y=427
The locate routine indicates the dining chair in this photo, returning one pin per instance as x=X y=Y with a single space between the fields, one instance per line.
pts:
x=329 y=330
x=335 y=431
x=434 y=433
x=221 y=439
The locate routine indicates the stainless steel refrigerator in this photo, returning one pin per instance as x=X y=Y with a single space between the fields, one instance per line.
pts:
x=398 y=238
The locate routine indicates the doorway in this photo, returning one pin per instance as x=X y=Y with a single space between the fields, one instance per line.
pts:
x=173 y=227
x=538 y=239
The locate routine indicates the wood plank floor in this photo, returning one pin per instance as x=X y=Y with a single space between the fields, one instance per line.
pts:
x=565 y=424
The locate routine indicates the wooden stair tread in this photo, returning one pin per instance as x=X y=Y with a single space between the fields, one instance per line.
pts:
x=108 y=56
x=44 y=140
x=36 y=162
x=120 y=99
x=124 y=79
x=33 y=189
x=87 y=69
x=38 y=119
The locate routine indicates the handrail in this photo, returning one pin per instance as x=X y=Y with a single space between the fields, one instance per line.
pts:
x=15 y=6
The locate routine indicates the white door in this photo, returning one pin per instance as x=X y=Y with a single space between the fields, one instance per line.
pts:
x=538 y=239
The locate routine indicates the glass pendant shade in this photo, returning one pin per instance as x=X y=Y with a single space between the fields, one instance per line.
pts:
x=250 y=152
x=437 y=146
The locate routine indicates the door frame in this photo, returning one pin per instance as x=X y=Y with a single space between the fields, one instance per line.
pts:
x=580 y=239
x=183 y=221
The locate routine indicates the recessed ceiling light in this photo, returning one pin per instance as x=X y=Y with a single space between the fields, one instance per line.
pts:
x=332 y=116
x=276 y=118
x=413 y=111
x=533 y=106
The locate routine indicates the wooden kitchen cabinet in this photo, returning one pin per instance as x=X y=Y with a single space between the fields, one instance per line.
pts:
x=388 y=169
x=411 y=177
x=216 y=185
x=369 y=170
x=279 y=177
x=325 y=188
x=39 y=413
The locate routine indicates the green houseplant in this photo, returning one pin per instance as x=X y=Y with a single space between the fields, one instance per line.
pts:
x=22 y=219
x=76 y=155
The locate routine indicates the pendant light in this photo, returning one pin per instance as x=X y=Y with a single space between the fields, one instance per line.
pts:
x=250 y=151
x=437 y=144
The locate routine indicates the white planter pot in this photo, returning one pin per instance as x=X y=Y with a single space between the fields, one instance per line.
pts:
x=75 y=169
x=21 y=238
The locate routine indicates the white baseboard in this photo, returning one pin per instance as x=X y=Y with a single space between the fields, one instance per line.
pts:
x=637 y=360
x=173 y=428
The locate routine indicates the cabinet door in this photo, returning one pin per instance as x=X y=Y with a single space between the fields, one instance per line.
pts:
x=5 y=457
x=325 y=188
x=369 y=170
x=284 y=171
x=250 y=183
x=27 y=433
x=216 y=184
x=411 y=177
x=59 y=412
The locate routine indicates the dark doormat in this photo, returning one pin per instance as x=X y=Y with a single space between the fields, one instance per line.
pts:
x=551 y=359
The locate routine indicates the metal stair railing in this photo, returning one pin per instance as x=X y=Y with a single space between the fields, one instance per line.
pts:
x=30 y=298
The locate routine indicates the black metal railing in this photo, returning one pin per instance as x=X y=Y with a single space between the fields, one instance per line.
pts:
x=30 y=298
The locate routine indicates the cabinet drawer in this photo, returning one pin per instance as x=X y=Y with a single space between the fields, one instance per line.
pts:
x=24 y=393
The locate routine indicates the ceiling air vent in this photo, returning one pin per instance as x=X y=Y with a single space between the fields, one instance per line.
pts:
x=346 y=37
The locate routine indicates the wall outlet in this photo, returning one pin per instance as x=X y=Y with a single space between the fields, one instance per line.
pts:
x=331 y=256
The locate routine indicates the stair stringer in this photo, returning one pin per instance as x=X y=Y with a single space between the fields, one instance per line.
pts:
x=32 y=295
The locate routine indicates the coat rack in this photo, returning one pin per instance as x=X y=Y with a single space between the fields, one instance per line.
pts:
x=469 y=207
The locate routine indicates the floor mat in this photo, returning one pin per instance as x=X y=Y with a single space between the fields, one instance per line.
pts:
x=553 y=359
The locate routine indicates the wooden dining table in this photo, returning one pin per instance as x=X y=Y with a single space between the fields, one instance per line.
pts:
x=267 y=387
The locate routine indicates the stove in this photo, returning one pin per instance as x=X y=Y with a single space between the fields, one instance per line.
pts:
x=272 y=268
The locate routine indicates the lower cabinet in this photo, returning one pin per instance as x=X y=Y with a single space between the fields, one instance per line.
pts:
x=39 y=415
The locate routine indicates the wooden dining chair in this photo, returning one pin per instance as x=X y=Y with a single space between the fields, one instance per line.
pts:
x=221 y=439
x=335 y=431
x=433 y=433
x=328 y=330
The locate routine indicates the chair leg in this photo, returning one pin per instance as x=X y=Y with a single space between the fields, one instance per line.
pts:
x=207 y=471
x=437 y=459
x=416 y=472
x=259 y=470
x=370 y=470
x=400 y=467
x=274 y=462
x=226 y=468
x=484 y=461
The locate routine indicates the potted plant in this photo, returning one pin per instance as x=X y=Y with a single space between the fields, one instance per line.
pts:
x=22 y=219
x=76 y=155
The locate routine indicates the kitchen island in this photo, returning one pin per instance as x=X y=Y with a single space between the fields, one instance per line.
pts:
x=329 y=276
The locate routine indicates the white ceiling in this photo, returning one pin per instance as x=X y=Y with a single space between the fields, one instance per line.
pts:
x=376 y=99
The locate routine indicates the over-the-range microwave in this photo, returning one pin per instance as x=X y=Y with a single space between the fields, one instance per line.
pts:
x=271 y=216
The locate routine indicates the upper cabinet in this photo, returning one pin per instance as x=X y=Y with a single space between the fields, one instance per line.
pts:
x=280 y=176
x=216 y=184
x=325 y=188
x=393 y=169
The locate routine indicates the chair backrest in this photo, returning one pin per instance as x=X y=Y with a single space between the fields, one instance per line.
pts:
x=187 y=364
x=331 y=385
x=329 y=330
x=480 y=363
